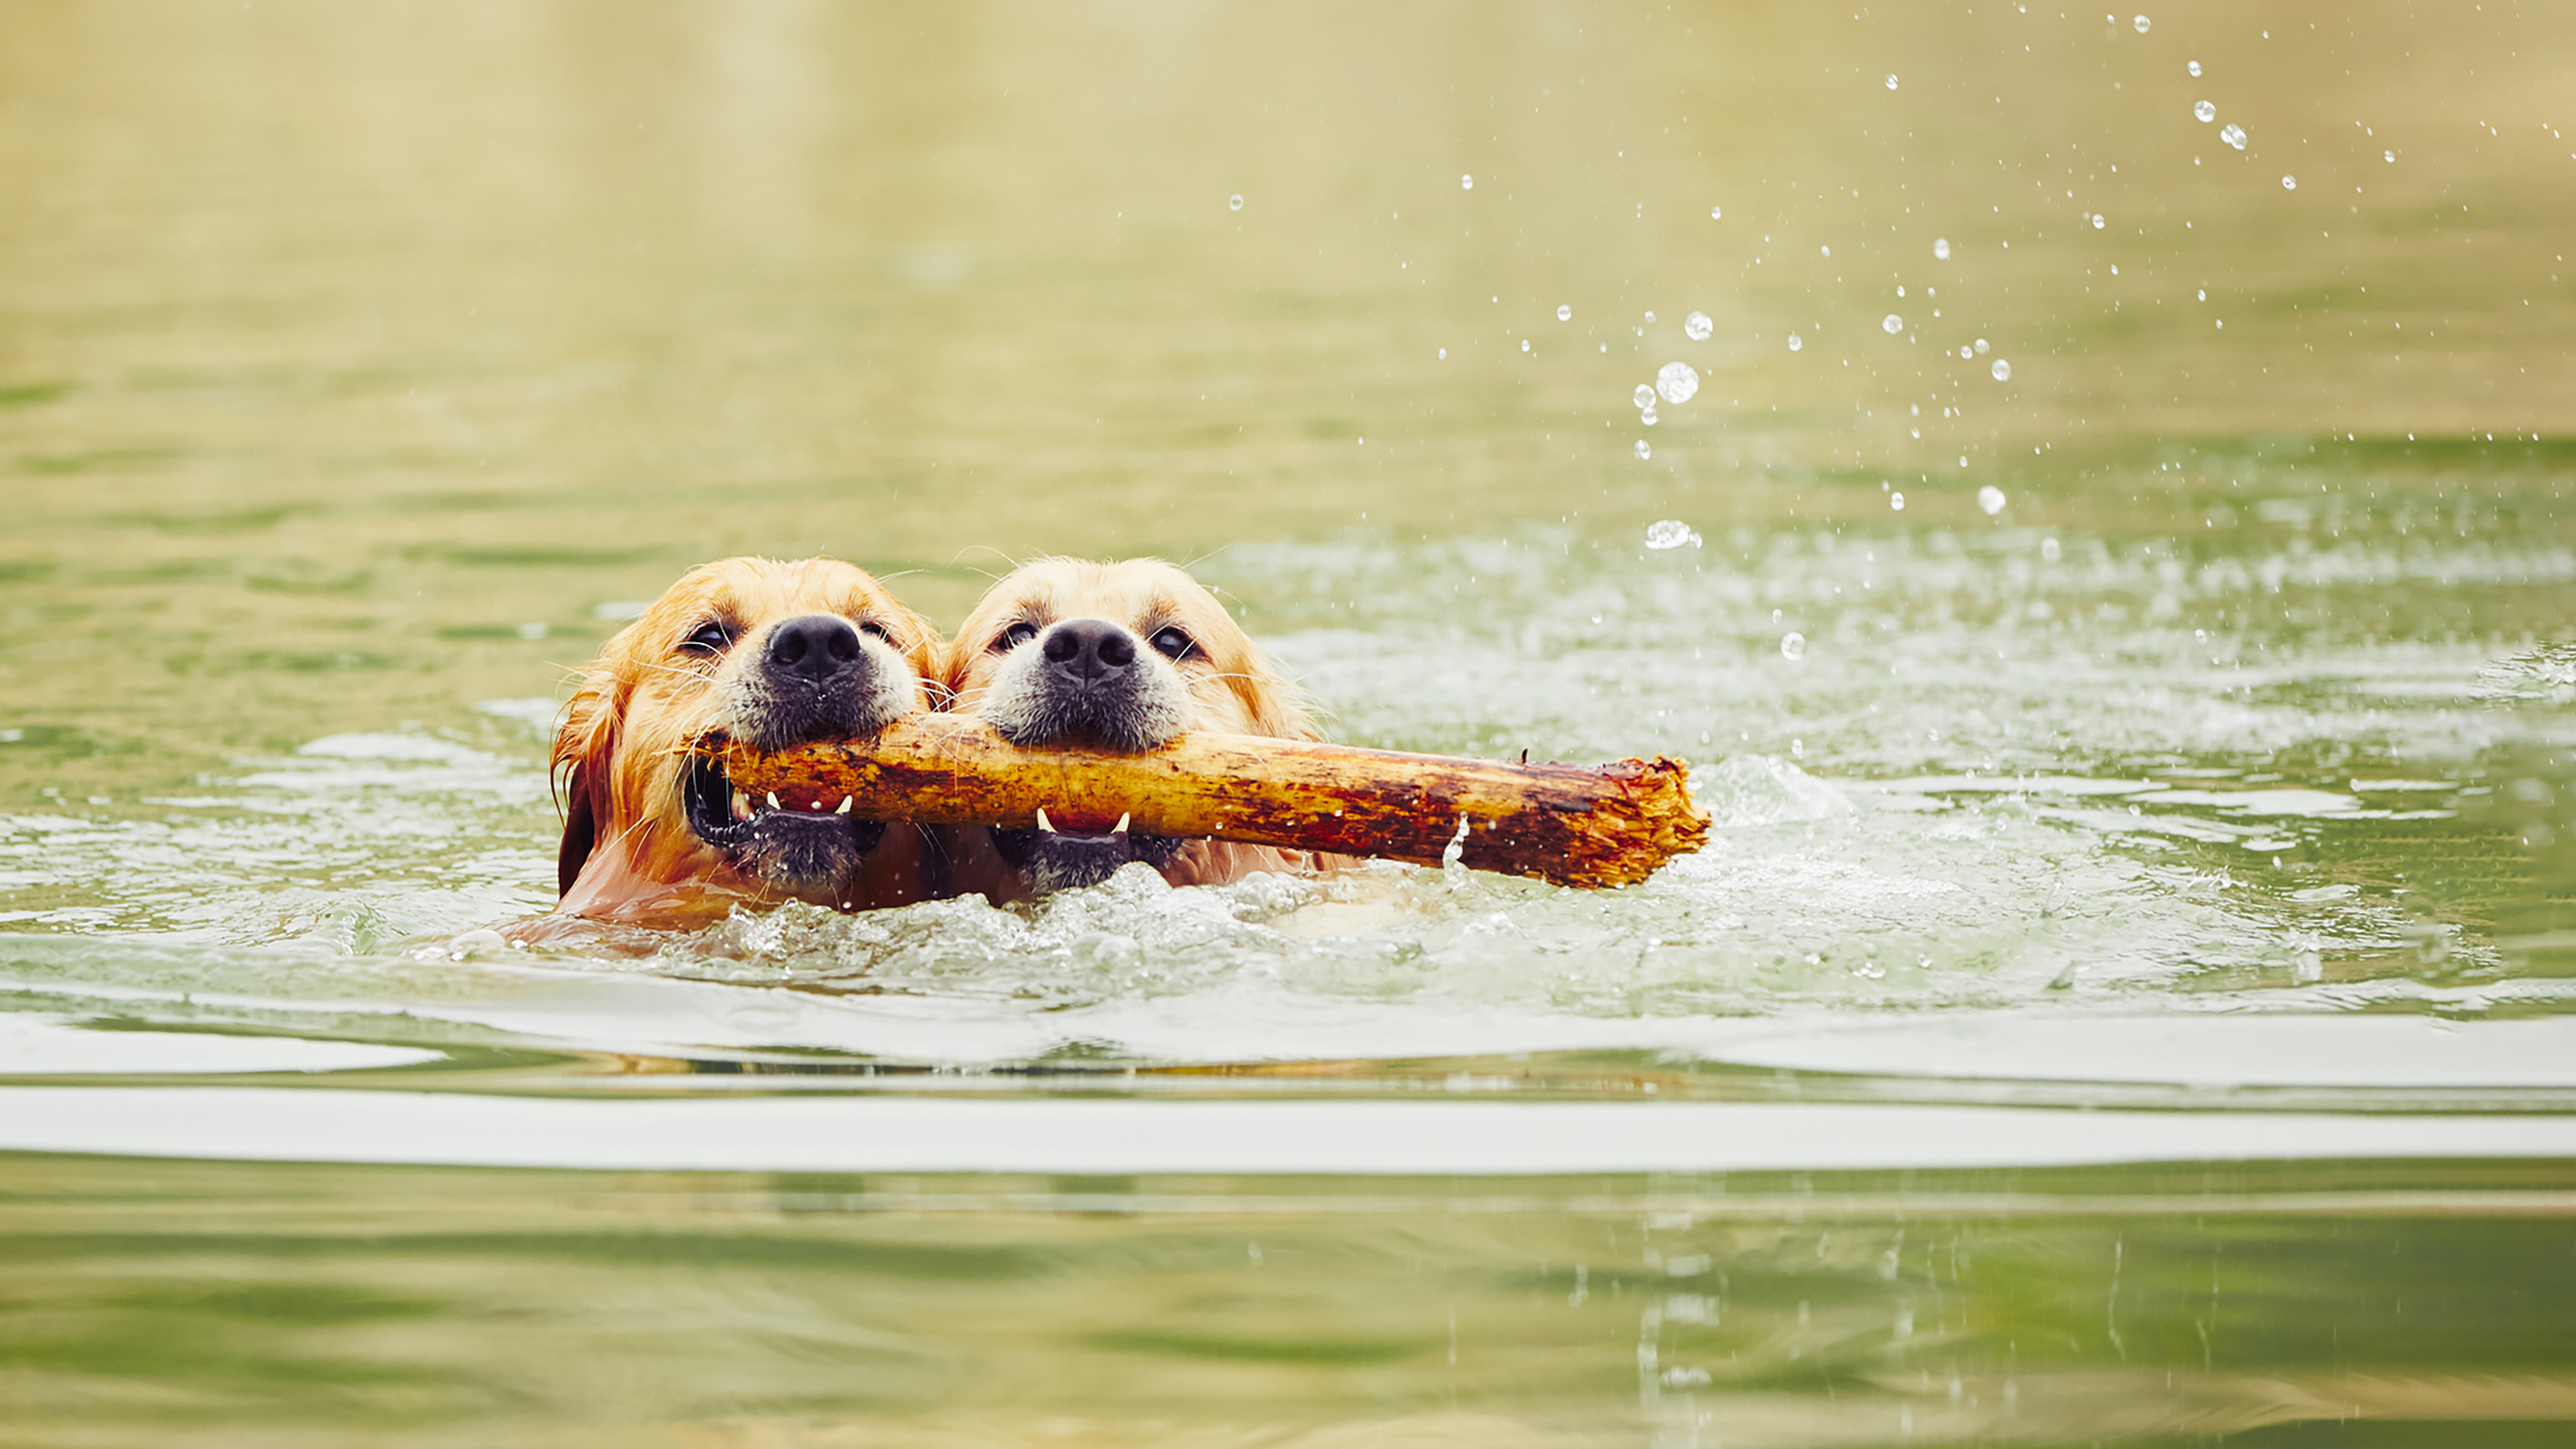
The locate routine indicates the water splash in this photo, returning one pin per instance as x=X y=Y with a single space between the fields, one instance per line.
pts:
x=1671 y=533
x=1678 y=382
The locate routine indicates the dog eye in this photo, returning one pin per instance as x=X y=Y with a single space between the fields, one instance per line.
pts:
x=1015 y=636
x=1173 y=644
x=713 y=637
x=872 y=627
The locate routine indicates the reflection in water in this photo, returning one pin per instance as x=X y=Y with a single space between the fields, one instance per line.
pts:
x=411 y=1306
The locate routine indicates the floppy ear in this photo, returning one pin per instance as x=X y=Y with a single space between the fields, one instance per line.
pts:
x=927 y=651
x=1279 y=708
x=585 y=741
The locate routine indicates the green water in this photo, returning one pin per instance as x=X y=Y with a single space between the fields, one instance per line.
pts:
x=2143 y=864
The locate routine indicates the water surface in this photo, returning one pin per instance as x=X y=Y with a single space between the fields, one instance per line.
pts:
x=2120 y=639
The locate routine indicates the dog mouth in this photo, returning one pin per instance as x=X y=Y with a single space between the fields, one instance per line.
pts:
x=1067 y=856
x=802 y=843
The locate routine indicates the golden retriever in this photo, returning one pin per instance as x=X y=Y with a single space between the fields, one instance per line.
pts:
x=1118 y=656
x=762 y=651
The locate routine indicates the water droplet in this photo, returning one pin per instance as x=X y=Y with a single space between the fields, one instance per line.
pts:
x=2289 y=183
x=1991 y=499
x=1981 y=347
x=1696 y=327
x=1717 y=213
x=1677 y=381
x=1891 y=82
x=1564 y=313
x=2097 y=221
x=1644 y=396
x=1794 y=343
x=2141 y=22
x=1524 y=344
x=1896 y=501
x=1891 y=324
x=1643 y=452
x=1966 y=351
x=1234 y=203
x=2002 y=370
x=1650 y=319
x=1444 y=354
x=2193 y=67
x=2389 y=156
x=1941 y=248
x=2234 y=135
x=2204 y=111
x=1793 y=647
x=1825 y=251
x=1647 y=418
x=2049 y=552
x=1669 y=533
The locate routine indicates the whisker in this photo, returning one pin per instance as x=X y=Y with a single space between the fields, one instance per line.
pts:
x=956 y=557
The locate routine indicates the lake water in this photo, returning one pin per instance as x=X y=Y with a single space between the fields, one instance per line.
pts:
x=2110 y=568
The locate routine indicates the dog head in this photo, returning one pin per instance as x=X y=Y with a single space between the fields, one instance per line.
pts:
x=772 y=654
x=1114 y=656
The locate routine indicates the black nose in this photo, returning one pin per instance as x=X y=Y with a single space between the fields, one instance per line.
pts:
x=1089 y=649
x=815 y=648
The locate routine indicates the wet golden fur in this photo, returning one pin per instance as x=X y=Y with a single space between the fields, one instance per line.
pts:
x=1230 y=687
x=628 y=852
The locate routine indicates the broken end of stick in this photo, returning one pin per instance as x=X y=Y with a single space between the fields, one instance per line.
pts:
x=1666 y=821
x=1647 y=818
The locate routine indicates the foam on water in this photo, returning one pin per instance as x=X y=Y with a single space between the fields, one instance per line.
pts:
x=2044 y=786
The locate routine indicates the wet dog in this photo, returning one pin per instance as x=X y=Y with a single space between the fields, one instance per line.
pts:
x=769 y=653
x=1112 y=656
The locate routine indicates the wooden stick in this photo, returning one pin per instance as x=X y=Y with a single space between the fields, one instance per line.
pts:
x=1582 y=827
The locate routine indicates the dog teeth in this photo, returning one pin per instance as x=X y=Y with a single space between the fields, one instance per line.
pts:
x=843 y=808
x=1043 y=823
x=741 y=806
x=773 y=800
x=1121 y=827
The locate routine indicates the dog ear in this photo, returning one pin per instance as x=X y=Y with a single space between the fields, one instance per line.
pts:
x=585 y=742
x=1278 y=707
x=581 y=832
x=929 y=654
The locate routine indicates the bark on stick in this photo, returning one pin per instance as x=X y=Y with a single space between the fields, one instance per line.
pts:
x=1564 y=823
